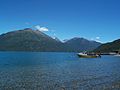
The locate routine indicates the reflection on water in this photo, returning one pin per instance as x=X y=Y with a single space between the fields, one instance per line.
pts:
x=57 y=71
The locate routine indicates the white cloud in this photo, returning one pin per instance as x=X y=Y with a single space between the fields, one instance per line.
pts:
x=97 y=38
x=42 y=29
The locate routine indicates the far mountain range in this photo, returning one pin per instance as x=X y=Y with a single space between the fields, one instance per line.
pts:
x=35 y=40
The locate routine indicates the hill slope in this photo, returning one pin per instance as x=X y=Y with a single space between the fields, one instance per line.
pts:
x=109 y=47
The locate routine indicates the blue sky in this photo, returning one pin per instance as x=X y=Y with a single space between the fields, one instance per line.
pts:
x=91 y=19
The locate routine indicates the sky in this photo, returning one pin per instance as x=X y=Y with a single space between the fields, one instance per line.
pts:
x=91 y=19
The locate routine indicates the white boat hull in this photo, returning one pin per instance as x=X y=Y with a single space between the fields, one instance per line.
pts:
x=81 y=55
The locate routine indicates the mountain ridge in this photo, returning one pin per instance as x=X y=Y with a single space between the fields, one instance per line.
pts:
x=35 y=40
x=87 y=45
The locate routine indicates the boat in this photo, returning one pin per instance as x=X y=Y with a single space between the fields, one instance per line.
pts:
x=117 y=55
x=85 y=55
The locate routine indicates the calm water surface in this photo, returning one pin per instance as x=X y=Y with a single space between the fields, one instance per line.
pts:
x=58 y=71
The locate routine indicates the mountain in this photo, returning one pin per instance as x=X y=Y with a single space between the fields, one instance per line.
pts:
x=65 y=40
x=57 y=39
x=28 y=40
x=35 y=40
x=81 y=44
x=109 y=47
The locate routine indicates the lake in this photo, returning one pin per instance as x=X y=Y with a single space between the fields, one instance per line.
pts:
x=57 y=71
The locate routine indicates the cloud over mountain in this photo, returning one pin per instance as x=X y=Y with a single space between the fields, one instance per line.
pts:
x=42 y=29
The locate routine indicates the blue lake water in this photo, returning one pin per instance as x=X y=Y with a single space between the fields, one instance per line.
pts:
x=57 y=71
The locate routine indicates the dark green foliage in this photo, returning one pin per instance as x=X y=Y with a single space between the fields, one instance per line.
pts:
x=109 y=47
